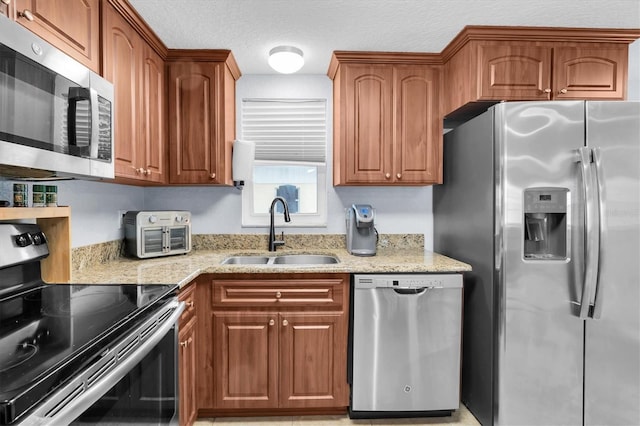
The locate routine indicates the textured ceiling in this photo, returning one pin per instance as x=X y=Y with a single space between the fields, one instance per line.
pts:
x=250 y=28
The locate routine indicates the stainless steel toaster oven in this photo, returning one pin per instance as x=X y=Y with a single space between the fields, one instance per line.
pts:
x=157 y=233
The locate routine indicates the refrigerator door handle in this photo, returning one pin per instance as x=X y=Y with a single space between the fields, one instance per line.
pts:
x=602 y=231
x=592 y=232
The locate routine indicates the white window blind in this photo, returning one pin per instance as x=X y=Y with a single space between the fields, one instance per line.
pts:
x=286 y=129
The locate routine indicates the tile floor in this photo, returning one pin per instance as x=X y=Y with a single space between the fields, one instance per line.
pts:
x=458 y=418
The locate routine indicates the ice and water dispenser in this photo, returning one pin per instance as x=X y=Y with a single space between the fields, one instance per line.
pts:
x=545 y=223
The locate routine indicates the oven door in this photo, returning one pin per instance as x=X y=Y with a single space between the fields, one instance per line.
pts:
x=133 y=382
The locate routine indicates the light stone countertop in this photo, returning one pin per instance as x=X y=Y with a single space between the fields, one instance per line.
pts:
x=182 y=269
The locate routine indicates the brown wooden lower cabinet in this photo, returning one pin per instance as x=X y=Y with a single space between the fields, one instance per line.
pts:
x=273 y=343
x=187 y=357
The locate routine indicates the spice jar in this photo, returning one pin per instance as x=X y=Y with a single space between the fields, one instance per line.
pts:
x=38 y=196
x=20 y=195
x=52 y=196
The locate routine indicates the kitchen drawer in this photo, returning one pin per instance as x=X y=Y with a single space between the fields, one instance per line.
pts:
x=325 y=293
x=187 y=295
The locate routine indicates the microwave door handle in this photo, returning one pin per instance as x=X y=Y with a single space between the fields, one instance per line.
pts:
x=95 y=124
x=592 y=245
x=76 y=94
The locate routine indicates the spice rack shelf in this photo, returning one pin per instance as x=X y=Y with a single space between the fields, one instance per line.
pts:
x=55 y=222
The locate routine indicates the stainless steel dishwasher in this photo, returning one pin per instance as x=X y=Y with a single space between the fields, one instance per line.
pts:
x=405 y=339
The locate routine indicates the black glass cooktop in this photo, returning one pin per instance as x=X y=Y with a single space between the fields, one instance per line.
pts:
x=48 y=332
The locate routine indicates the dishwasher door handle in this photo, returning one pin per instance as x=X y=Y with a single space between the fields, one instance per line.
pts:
x=411 y=291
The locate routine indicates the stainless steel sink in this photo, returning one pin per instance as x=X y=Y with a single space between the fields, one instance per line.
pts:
x=289 y=259
x=304 y=259
x=246 y=260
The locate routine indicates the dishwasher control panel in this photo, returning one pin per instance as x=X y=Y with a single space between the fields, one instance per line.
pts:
x=407 y=281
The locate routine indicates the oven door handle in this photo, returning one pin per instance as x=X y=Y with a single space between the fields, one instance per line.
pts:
x=76 y=397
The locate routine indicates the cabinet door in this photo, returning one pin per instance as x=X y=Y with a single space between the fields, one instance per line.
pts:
x=367 y=148
x=512 y=72
x=245 y=354
x=4 y=7
x=194 y=125
x=187 y=373
x=590 y=72
x=73 y=26
x=121 y=55
x=418 y=133
x=313 y=360
x=153 y=113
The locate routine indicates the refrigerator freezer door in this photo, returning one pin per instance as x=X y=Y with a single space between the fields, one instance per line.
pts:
x=612 y=343
x=540 y=337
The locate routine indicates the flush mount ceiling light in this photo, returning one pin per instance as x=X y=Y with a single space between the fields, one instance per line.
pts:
x=286 y=59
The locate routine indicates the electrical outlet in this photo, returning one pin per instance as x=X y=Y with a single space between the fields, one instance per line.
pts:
x=121 y=214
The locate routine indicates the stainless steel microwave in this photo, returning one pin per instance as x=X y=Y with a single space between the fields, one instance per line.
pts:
x=56 y=115
x=157 y=233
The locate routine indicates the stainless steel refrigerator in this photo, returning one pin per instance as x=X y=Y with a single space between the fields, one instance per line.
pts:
x=543 y=200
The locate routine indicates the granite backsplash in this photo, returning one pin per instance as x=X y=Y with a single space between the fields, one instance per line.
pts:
x=96 y=254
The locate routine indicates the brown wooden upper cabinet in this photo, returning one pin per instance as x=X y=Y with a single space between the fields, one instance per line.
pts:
x=387 y=125
x=484 y=64
x=77 y=33
x=138 y=76
x=201 y=116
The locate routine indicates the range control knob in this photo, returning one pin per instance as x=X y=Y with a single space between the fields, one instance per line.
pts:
x=179 y=219
x=23 y=240
x=38 y=238
x=153 y=219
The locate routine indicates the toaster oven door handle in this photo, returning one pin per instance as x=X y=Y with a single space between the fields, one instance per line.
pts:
x=77 y=396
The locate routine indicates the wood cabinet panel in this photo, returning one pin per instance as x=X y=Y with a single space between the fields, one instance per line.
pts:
x=417 y=155
x=73 y=26
x=121 y=52
x=312 y=360
x=263 y=356
x=5 y=8
x=153 y=113
x=327 y=293
x=187 y=356
x=193 y=95
x=588 y=72
x=138 y=76
x=368 y=144
x=388 y=129
x=187 y=372
x=245 y=359
x=514 y=72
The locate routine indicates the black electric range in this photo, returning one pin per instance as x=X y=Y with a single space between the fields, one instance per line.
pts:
x=49 y=332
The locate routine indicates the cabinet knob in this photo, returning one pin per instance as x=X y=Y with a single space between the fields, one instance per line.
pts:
x=140 y=170
x=147 y=172
x=189 y=304
x=278 y=295
x=26 y=14
x=212 y=176
x=387 y=176
x=184 y=344
x=285 y=323
x=547 y=90
x=399 y=176
x=272 y=322
x=563 y=91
